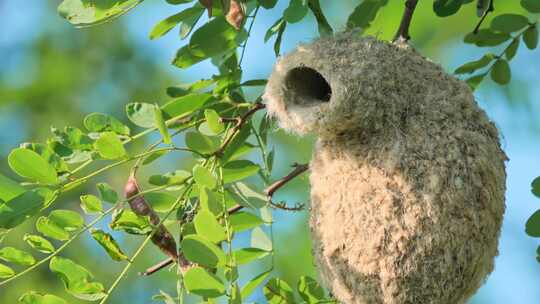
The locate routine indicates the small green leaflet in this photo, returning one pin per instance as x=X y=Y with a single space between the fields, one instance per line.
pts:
x=162 y=127
x=532 y=227
x=91 y=204
x=9 y=189
x=160 y=202
x=6 y=272
x=475 y=65
x=253 y=283
x=109 y=244
x=99 y=122
x=186 y=18
x=18 y=209
x=17 y=256
x=29 y=164
x=532 y=6
x=141 y=114
x=278 y=291
x=200 y=282
x=296 y=11
x=203 y=177
x=50 y=229
x=259 y=239
x=238 y=170
x=365 y=13
x=214 y=121
x=82 y=14
x=500 y=72
x=203 y=252
x=242 y=221
x=76 y=279
x=324 y=27
x=530 y=37
x=67 y=219
x=310 y=290
x=33 y=297
x=109 y=146
x=126 y=220
x=38 y=243
x=486 y=37
x=509 y=23
x=107 y=193
x=248 y=255
x=208 y=227
x=186 y=104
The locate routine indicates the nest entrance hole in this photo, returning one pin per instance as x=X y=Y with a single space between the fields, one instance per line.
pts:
x=308 y=84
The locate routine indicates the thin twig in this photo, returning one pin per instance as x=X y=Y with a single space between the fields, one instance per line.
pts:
x=484 y=15
x=248 y=35
x=403 y=31
x=299 y=169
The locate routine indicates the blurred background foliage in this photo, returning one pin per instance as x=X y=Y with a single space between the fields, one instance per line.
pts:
x=52 y=74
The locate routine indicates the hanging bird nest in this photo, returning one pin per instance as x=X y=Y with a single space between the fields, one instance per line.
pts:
x=407 y=176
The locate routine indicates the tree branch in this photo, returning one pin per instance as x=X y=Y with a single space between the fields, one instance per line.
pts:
x=484 y=15
x=403 y=32
x=298 y=169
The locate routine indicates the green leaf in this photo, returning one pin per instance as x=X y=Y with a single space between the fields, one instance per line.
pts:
x=83 y=13
x=109 y=244
x=296 y=11
x=268 y=4
x=532 y=6
x=141 y=114
x=203 y=177
x=154 y=156
x=365 y=13
x=172 y=178
x=472 y=66
x=29 y=164
x=109 y=146
x=9 y=189
x=200 y=282
x=475 y=81
x=184 y=58
x=242 y=221
x=535 y=187
x=76 y=279
x=247 y=197
x=165 y=297
x=91 y=204
x=200 y=251
x=162 y=127
x=47 y=154
x=530 y=37
x=186 y=104
x=160 y=202
x=532 y=227
x=278 y=291
x=486 y=37
x=214 y=121
x=248 y=255
x=185 y=17
x=278 y=28
x=239 y=169
x=184 y=89
x=187 y=25
x=254 y=83
x=210 y=201
x=126 y=220
x=50 y=229
x=253 y=283
x=17 y=256
x=324 y=27
x=18 y=209
x=73 y=138
x=509 y=23
x=98 y=122
x=38 y=243
x=274 y=29
x=259 y=239
x=512 y=49
x=6 y=272
x=238 y=143
x=500 y=72
x=310 y=290
x=201 y=143
x=107 y=193
x=445 y=8
x=33 y=297
x=67 y=219
x=208 y=227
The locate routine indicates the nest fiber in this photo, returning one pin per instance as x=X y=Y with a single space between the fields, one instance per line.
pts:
x=407 y=177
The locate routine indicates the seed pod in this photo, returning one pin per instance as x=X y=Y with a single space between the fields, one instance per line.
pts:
x=162 y=238
x=236 y=14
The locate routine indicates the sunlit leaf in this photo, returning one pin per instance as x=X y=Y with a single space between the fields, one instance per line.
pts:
x=248 y=197
x=47 y=154
x=50 y=229
x=16 y=256
x=239 y=169
x=186 y=104
x=160 y=202
x=241 y=221
x=33 y=297
x=254 y=283
x=248 y=255
x=6 y=272
x=99 y=122
x=141 y=114
x=29 y=164
x=204 y=177
x=107 y=193
x=109 y=146
x=91 y=204
x=277 y=291
x=9 y=189
x=18 y=209
x=171 y=178
x=200 y=282
x=76 y=279
x=108 y=243
x=162 y=127
x=129 y=222
x=210 y=201
x=39 y=243
x=67 y=219
x=259 y=239
x=208 y=227
x=201 y=251
x=214 y=121
x=83 y=13
x=184 y=17
x=310 y=290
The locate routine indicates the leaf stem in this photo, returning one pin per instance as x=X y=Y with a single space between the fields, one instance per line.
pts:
x=249 y=34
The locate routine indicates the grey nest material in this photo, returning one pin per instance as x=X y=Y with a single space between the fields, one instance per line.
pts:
x=407 y=176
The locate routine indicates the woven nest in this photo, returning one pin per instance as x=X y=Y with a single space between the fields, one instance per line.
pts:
x=407 y=176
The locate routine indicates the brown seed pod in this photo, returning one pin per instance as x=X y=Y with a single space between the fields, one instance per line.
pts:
x=162 y=238
x=236 y=14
